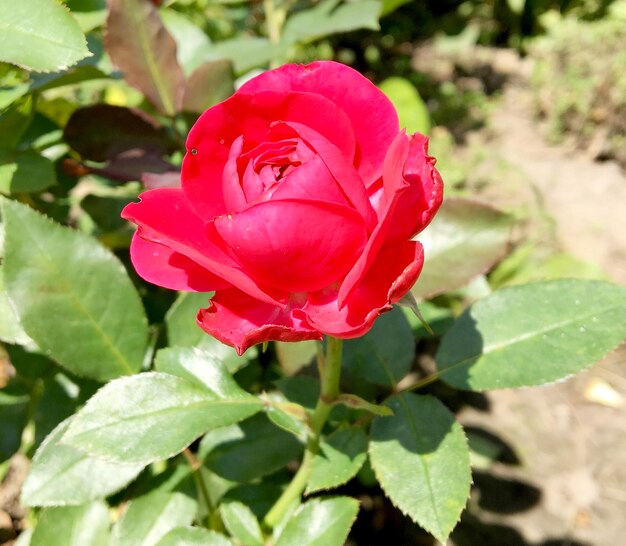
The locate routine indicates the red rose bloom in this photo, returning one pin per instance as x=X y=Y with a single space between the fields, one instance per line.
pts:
x=299 y=200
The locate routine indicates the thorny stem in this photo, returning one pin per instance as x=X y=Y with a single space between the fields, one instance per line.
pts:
x=330 y=370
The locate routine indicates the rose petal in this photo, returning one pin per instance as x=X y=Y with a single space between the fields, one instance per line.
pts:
x=373 y=117
x=211 y=137
x=298 y=246
x=346 y=175
x=162 y=266
x=241 y=321
x=310 y=181
x=394 y=188
x=421 y=202
x=164 y=216
x=392 y=275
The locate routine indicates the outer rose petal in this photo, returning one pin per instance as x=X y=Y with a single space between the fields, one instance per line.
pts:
x=298 y=246
x=373 y=117
x=162 y=266
x=241 y=321
x=419 y=205
x=411 y=195
x=251 y=116
x=391 y=276
x=184 y=232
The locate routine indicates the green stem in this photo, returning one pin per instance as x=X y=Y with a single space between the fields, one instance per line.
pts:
x=196 y=467
x=330 y=371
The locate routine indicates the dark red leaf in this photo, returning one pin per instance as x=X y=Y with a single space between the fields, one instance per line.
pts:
x=141 y=47
x=102 y=132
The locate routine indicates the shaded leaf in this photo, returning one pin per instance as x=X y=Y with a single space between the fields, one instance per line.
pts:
x=210 y=83
x=25 y=172
x=340 y=457
x=141 y=47
x=320 y=522
x=102 y=131
x=465 y=239
x=241 y=523
x=533 y=334
x=385 y=354
x=149 y=518
x=152 y=416
x=421 y=459
x=14 y=122
x=40 y=35
x=85 y=525
x=62 y=475
x=51 y=272
x=249 y=450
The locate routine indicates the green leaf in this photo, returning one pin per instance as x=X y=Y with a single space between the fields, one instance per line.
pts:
x=533 y=334
x=141 y=47
x=331 y=17
x=193 y=536
x=210 y=83
x=465 y=239
x=412 y=111
x=199 y=367
x=191 y=41
x=241 y=523
x=62 y=475
x=182 y=331
x=421 y=459
x=40 y=35
x=13 y=419
x=245 y=53
x=287 y=415
x=385 y=354
x=390 y=6
x=10 y=329
x=249 y=450
x=340 y=457
x=320 y=522
x=149 y=518
x=152 y=416
x=25 y=172
x=14 y=122
x=72 y=296
x=292 y=357
x=86 y=525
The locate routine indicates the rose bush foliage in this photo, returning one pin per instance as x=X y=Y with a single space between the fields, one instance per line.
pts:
x=300 y=198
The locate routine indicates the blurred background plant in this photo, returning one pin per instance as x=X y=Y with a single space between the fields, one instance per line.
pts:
x=96 y=99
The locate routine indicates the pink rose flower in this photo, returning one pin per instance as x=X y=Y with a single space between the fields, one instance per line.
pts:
x=300 y=198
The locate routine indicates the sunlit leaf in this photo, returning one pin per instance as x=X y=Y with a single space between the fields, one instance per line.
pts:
x=421 y=459
x=85 y=525
x=72 y=296
x=320 y=522
x=153 y=416
x=533 y=334
x=149 y=518
x=62 y=475
x=40 y=35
